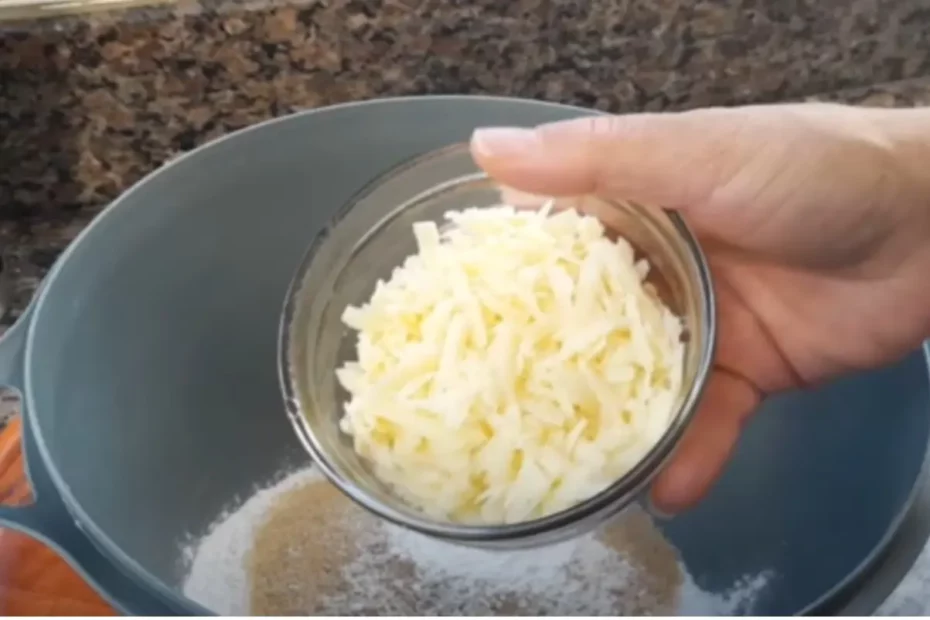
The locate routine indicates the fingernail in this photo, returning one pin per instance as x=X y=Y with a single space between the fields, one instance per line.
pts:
x=657 y=513
x=504 y=141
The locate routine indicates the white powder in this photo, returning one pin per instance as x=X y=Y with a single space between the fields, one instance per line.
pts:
x=629 y=570
x=739 y=598
x=217 y=577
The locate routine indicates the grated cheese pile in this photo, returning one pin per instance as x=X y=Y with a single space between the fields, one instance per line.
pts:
x=516 y=365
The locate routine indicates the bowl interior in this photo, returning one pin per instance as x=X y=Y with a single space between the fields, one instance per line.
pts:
x=374 y=235
x=152 y=386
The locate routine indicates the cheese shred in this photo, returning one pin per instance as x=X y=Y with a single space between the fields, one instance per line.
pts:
x=516 y=365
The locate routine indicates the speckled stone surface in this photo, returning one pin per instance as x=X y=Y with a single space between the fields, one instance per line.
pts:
x=88 y=105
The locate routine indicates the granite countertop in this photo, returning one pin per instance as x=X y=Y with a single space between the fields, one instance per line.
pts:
x=89 y=104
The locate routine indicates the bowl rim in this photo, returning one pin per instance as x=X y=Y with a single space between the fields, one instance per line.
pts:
x=613 y=498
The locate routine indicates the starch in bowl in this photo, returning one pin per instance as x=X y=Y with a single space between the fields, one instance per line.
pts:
x=515 y=365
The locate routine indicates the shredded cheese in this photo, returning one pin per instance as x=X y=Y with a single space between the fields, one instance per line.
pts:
x=518 y=364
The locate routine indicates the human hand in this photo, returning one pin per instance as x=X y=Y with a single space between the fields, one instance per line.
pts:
x=815 y=219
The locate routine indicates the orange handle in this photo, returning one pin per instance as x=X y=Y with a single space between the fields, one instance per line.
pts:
x=33 y=580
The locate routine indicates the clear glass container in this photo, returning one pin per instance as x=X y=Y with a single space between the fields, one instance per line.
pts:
x=372 y=235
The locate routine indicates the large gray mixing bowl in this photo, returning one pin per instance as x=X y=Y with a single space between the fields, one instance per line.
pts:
x=148 y=366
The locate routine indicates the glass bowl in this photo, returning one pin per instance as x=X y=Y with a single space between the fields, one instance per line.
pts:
x=370 y=237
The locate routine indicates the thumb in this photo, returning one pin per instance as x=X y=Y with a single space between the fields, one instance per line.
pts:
x=672 y=160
